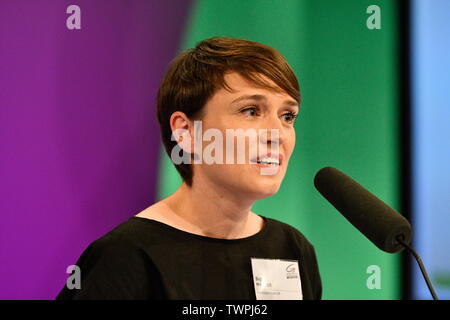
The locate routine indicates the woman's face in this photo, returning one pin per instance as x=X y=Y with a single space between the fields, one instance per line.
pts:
x=258 y=109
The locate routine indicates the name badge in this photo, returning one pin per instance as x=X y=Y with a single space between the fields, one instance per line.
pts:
x=276 y=279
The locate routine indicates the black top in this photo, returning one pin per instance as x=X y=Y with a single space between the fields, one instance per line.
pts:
x=148 y=259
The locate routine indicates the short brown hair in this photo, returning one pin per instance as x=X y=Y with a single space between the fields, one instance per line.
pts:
x=196 y=74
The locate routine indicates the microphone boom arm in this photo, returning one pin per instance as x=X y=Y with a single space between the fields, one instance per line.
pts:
x=421 y=266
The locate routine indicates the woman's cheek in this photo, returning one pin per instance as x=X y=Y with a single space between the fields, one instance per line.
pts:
x=290 y=145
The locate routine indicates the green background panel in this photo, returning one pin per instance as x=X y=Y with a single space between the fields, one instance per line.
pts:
x=349 y=119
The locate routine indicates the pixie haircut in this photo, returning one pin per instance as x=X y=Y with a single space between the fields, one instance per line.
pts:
x=197 y=73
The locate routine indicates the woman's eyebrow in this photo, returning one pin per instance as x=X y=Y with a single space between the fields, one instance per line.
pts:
x=261 y=97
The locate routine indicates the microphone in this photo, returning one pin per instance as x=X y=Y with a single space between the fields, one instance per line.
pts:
x=376 y=220
x=381 y=224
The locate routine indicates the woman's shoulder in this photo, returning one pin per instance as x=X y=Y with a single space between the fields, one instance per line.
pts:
x=116 y=259
x=123 y=247
x=289 y=231
x=121 y=239
x=133 y=233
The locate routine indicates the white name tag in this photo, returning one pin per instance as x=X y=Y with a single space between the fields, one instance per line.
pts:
x=276 y=279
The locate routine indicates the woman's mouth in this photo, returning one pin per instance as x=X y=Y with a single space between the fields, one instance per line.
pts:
x=273 y=160
x=269 y=165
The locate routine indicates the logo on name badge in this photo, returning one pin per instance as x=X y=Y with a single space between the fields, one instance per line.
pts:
x=291 y=271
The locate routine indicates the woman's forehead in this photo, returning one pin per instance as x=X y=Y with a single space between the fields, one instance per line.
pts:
x=241 y=88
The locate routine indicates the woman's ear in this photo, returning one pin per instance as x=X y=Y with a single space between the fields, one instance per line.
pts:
x=181 y=130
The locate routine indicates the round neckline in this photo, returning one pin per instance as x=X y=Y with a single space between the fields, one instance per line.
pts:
x=259 y=234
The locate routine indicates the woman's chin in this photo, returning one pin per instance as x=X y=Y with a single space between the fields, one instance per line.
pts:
x=265 y=190
x=265 y=185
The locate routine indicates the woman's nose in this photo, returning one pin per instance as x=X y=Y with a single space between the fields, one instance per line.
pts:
x=272 y=132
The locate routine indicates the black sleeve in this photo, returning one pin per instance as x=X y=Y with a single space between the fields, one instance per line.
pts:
x=315 y=275
x=310 y=267
x=112 y=269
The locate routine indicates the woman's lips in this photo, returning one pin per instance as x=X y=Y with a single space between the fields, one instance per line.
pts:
x=278 y=157
x=265 y=165
x=267 y=170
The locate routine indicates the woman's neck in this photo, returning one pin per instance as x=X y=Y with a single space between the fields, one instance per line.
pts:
x=205 y=210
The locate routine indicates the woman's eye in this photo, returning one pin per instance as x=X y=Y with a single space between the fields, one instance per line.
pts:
x=252 y=111
x=290 y=117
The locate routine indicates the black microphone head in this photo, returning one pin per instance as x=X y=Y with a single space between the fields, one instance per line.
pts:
x=376 y=220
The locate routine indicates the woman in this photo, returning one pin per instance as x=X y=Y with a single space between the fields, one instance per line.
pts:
x=203 y=241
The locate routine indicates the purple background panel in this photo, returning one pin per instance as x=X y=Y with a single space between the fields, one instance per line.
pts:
x=79 y=141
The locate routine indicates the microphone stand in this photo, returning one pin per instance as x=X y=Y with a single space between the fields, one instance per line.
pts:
x=421 y=266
